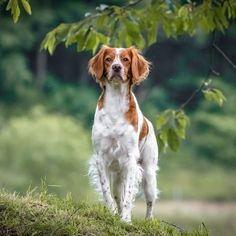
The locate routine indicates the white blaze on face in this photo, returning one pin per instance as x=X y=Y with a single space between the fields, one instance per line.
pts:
x=117 y=61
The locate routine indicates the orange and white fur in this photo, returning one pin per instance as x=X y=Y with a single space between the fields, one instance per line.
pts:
x=124 y=142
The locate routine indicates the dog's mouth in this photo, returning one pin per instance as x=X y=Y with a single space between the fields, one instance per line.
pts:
x=116 y=77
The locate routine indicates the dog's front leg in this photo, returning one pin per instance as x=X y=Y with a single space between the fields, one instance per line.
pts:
x=105 y=186
x=100 y=178
x=131 y=175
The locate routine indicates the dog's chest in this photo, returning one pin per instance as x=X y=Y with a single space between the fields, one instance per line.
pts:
x=112 y=134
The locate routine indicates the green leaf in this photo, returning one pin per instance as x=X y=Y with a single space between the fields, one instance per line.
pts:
x=152 y=34
x=99 y=39
x=71 y=36
x=26 y=6
x=62 y=31
x=70 y=40
x=102 y=38
x=182 y=121
x=162 y=140
x=133 y=32
x=220 y=96
x=163 y=135
x=9 y=5
x=101 y=20
x=183 y=11
x=95 y=46
x=49 y=42
x=80 y=37
x=15 y=10
x=214 y=95
x=167 y=29
x=173 y=140
x=163 y=118
x=180 y=131
x=91 y=40
x=52 y=44
x=128 y=41
x=161 y=144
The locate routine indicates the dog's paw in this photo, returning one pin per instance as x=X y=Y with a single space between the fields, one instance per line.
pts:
x=113 y=209
x=126 y=218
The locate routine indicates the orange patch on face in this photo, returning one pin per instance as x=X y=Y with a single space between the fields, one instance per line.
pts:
x=131 y=115
x=108 y=59
x=144 y=130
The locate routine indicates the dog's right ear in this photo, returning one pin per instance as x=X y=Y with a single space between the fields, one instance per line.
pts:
x=96 y=64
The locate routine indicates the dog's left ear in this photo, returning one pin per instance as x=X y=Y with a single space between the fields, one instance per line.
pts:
x=139 y=67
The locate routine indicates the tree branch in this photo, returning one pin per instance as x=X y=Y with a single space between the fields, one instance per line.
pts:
x=210 y=71
x=193 y=95
x=205 y=81
x=224 y=55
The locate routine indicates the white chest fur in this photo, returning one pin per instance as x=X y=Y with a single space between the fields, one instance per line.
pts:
x=113 y=137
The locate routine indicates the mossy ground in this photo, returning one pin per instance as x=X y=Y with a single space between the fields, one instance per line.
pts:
x=45 y=214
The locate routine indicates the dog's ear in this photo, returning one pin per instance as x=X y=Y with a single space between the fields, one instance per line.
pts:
x=139 y=66
x=96 y=64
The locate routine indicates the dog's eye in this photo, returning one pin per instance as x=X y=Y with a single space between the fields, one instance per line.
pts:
x=108 y=59
x=125 y=59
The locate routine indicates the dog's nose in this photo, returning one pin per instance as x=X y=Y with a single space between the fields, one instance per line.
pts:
x=116 y=67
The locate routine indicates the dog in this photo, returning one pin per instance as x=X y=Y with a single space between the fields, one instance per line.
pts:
x=124 y=141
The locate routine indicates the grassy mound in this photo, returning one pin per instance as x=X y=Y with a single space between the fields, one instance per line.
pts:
x=45 y=214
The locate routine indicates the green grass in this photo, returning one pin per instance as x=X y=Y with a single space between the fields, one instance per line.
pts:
x=45 y=214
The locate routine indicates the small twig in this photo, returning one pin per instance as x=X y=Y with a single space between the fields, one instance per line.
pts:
x=204 y=226
x=209 y=72
x=193 y=95
x=176 y=226
x=215 y=72
x=224 y=55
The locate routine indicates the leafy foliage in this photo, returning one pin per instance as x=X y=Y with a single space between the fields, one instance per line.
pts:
x=123 y=26
x=13 y=6
x=171 y=125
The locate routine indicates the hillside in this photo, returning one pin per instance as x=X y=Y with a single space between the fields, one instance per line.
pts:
x=45 y=214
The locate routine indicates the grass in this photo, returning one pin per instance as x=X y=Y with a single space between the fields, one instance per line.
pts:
x=45 y=214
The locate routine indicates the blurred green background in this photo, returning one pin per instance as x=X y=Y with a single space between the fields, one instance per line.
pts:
x=47 y=105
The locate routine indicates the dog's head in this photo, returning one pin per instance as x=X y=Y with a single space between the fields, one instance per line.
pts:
x=119 y=65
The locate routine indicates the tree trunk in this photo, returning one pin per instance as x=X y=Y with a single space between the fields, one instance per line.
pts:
x=41 y=66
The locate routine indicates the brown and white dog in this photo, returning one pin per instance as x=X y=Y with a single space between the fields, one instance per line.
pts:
x=124 y=142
